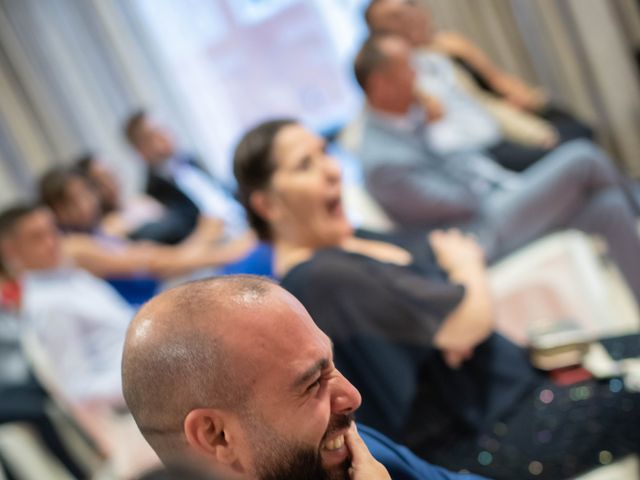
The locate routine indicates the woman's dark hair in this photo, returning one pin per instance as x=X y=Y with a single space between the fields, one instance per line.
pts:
x=253 y=166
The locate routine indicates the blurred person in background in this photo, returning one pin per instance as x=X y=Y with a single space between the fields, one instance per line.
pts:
x=180 y=182
x=412 y=323
x=104 y=180
x=136 y=218
x=76 y=206
x=576 y=186
x=75 y=322
x=484 y=107
x=79 y=320
x=231 y=375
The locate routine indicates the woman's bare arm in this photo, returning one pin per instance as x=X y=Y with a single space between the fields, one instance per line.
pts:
x=156 y=260
x=473 y=320
x=512 y=88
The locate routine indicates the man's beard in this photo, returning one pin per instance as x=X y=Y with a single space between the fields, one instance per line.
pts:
x=280 y=459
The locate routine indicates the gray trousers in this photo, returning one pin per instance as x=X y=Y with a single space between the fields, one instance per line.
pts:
x=576 y=186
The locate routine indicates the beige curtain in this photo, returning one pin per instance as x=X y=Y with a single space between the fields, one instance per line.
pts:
x=70 y=72
x=581 y=51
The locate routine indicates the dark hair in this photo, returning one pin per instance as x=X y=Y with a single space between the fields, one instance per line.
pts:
x=53 y=184
x=12 y=215
x=369 y=60
x=253 y=166
x=82 y=164
x=132 y=126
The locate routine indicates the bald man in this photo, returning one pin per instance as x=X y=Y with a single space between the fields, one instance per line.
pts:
x=231 y=374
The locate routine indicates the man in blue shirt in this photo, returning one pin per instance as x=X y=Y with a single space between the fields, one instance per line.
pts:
x=231 y=374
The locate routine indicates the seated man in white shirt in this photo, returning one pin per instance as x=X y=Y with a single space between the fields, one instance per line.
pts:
x=79 y=320
x=178 y=181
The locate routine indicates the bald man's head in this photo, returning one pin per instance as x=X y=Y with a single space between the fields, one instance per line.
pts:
x=179 y=355
x=233 y=373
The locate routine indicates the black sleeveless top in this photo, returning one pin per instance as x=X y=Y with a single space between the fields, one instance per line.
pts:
x=382 y=319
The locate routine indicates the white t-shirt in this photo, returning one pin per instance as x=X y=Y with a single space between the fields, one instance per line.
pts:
x=81 y=323
x=465 y=125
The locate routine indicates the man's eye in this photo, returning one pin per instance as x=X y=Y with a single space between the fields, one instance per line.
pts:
x=304 y=164
x=314 y=384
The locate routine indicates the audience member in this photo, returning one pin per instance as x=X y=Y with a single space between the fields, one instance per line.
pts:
x=76 y=207
x=103 y=180
x=77 y=324
x=451 y=66
x=137 y=218
x=178 y=181
x=411 y=322
x=576 y=186
x=232 y=374
x=79 y=320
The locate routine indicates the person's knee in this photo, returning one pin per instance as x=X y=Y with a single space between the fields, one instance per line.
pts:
x=585 y=159
x=609 y=204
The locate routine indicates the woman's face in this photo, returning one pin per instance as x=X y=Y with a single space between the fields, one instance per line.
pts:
x=303 y=203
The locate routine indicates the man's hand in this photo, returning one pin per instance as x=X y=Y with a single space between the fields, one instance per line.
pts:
x=363 y=465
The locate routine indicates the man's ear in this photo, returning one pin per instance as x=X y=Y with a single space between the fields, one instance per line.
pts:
x=209 y=436
x=374 y=85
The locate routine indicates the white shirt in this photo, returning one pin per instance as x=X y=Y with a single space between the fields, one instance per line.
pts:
x=81 y=322
x=465 y=125
x=209 y=197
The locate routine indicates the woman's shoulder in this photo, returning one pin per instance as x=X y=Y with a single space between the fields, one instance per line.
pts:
x=331 y=265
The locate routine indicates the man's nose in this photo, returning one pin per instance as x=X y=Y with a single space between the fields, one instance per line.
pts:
x=345 y=397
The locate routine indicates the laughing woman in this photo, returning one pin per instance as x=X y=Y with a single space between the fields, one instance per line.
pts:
x=412 y=325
